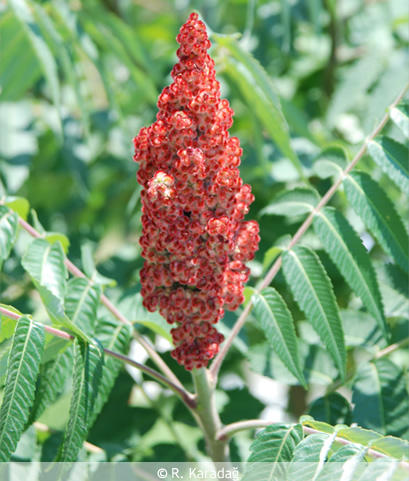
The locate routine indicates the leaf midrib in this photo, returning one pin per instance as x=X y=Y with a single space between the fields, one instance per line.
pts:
x=355 y=266
x=378 y=214
x=17 y=376
x=283 y=343
x=304 y=273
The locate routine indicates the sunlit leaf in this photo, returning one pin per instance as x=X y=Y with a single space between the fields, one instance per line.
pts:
x=375 y=208
x=350 y=256
x=276 y=321
x=381 y=398
x=298 y=201
x=86 y=381
x=8 y=232
x=313 y=292
x=392 y=157
x=23 y=365
x=272 y=449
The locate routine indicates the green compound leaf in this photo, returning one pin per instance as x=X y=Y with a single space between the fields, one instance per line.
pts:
x=22 y=10
x=19 y=67
x=392 y=157
x=271 y=450
x=313 y=292
x=53 y=376
x=81 y=303
x=106 y=39
x=298 y=201
x=381 y=398
x=375 y=208
x=19 y=205
x=393 y=447
x=331 y=161
x=350 y=256
x=259 y=92
x=23 y=365
x=399 y=115
x=8 y=232
x=276 y=321
x=63 y=53
x=115 y=338
x=357 y=435
x=331 y=408
x=45 y=264
x=383 y=469
x=8 y=324
x=309 y=457
x=86 y=381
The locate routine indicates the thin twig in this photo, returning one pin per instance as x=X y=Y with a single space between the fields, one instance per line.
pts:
x=91 y=448
x=216 y=364
x=393 y=347
x=384 y=352
x=186 y=397
x=108 y=304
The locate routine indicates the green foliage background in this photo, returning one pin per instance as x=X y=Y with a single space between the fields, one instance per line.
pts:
x=78 y=80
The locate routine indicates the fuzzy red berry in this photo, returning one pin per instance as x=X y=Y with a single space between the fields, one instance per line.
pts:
x=194 y=238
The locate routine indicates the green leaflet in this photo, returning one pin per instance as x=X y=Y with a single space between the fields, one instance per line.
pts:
x=115 y=338
x=131 y=306
x=105 y=38
x=273 y=447
x=375 y=208
x=381 y=398
x=394 y=447
x=19 y=67
x=399 y=115
x=392 y=157
x=53 y=375
x=62 y=51
x=318 y=365
x=317 y=425
x=45 y=264
x=81 y=303
x=357 y=79
x=45 y=57
x=19 y=205
x=86 y=381
x=23 y=365
x=298 y=201
x=331 y=408
x=276 y=321
x=309 y=457
x=336 y=468
x=331 y=161
x=8 y=232
x=350 y=256
x=313 y=292
x=359 y=435
x=386 y=470
x=259 y=92
x=8 y=325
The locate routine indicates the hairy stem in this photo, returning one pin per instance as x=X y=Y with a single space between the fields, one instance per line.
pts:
x=186 y=397
x=216 y=364
x=108 y=304
x=208 y=417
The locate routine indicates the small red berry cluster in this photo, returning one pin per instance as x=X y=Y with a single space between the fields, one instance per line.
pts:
x=194 y=238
